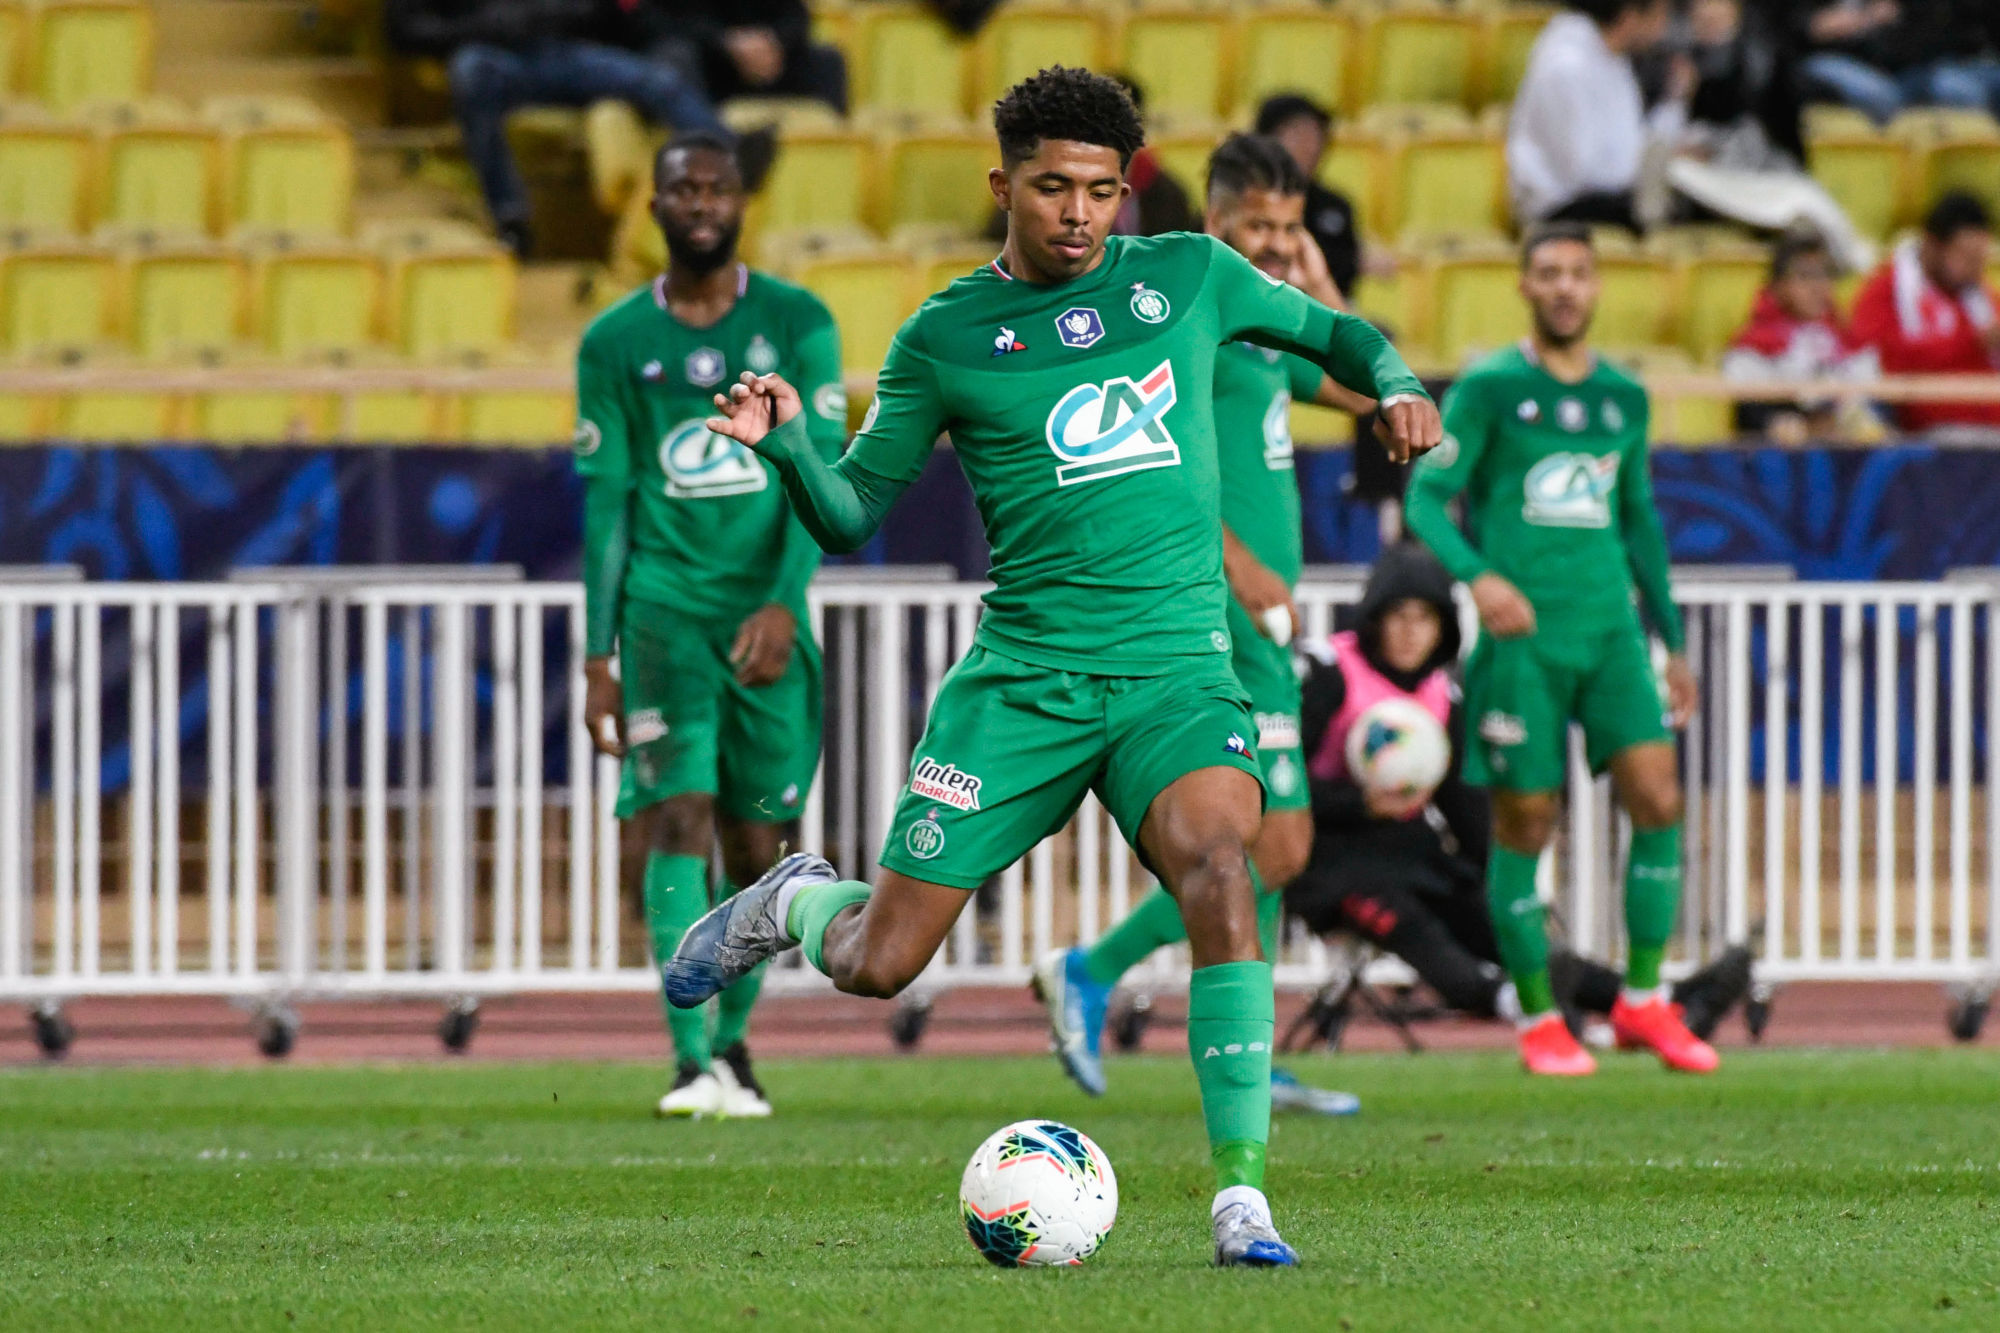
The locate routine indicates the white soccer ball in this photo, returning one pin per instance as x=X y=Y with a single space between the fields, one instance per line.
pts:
x=1038 y=1192
x=1398 y=748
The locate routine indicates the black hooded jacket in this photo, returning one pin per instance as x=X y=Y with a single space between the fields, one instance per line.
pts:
x=1340 y=812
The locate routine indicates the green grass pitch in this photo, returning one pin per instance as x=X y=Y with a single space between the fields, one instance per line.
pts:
x=1796 y=1190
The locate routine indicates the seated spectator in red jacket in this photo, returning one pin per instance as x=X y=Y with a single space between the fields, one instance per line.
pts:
x=1795 y=333
x=1928 y=310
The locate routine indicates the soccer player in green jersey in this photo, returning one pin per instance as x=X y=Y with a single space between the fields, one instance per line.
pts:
x=1074 y=374
x=1548 y=445
x=695 y=575
x=1256 y=204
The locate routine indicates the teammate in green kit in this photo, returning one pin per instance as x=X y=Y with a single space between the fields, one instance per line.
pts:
x=1074 y=375
x=1256 y=204
x=1548 y=445
x=695 y=575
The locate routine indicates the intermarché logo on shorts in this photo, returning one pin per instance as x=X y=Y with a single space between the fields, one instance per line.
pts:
x=947 y=784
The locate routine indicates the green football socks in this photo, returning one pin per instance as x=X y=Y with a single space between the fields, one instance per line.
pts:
x=676 y=896
x=732 y=1007
x=1652 y=898
x=1231 y=1023
x=1156 y=922
x=1517 y=923
x=813 y=910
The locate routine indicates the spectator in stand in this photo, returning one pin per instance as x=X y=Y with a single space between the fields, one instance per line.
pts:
x=744 y=48
x=1928 y=310
x=505 y=54
x=1580 y=131
x=1795 y=333
x=1305 y=129
x=1880 y=56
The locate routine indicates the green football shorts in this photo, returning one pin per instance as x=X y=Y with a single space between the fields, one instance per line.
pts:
x=1266 y=670
x=691 y=728
x=1010 y=750
x=1521 y=695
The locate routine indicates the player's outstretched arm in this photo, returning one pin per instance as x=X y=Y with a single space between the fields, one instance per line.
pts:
x=763 y=412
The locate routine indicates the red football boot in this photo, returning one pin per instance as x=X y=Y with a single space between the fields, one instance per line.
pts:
x=1656 y=1026
x=1548 y=1048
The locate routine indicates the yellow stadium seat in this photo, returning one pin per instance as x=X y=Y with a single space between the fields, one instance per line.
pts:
x=445 y=304
x=24 y=418
x=1867 y=174
x=14 y=25
x=1356 y=165
x=256 y=111
x=819 y=180
x=1447 y=185
x=314 y=303
x=1510 y=35
x=1179 y=58
x=936 y=178
x=255 y=416
x=941 y=270
x=1969 y=164
x=1185 y=155
x=1823 y=120
x=1928 y=124
x=516 y=416
x=182 y=303
x=1474 y=306
x=1294 y=49
x=1635 y=304
x=1419 y=55
x=390 y=416
x=159 y=179
x=116 y=416
x=906 y=59
x=1717 y=291
x=1022 y=38
x=44 y=176
x=1390 y=300
x=289 y=178
x=91 y=51
x=870 y=297
x=57 y=300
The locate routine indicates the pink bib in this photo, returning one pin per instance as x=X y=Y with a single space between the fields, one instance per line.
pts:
x=1366 y=687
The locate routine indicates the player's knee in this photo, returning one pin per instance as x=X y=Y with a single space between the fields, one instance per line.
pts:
x=1656 y=805
x=1524 y=824
x=879 y=978
x=1282 y=850
x=681 y=826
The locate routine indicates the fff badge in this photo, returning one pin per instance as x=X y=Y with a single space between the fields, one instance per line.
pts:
x=1079 y=327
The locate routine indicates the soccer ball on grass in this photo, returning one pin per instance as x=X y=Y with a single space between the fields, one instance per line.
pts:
x=1038 y=1192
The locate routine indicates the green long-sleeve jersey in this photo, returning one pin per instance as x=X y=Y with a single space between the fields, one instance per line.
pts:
x=1558 y=493
x=1083 y=416
x=674 y=514
x=1254 y=389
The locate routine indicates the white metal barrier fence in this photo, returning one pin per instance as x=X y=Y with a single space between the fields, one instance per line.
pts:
x=387 y=790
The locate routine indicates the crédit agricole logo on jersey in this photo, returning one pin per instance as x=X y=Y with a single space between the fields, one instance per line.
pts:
x=701 y=464
x=1102 y=430
x=1278 y=433
x=1570 y=491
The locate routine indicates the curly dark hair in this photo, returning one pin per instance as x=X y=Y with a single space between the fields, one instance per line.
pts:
x=1063 y=103
x=1253 y=162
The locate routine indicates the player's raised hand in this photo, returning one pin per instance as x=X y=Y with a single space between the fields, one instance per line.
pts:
x=1408 y=427
x=763 y=646
x=755 y=406
x=1682 y=692
x=604 y=707
x=1503 y=610
x=1308 y=273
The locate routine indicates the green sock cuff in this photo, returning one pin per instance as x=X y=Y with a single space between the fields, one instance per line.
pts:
x=1652 y=901
x=1518 y=926
x=813 y=909
x=1153 y=924
x=1238 y=1163
x=1232 y=990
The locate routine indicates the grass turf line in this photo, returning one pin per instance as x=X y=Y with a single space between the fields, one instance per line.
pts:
x=1795 y=1189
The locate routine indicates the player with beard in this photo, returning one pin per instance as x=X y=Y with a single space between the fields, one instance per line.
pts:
x=1074 y=374
x=1548 y=445
x=695 y=574
x=1256 y=204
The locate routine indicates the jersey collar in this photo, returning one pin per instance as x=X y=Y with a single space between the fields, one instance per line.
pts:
x=1534 y=358
x=660 y=286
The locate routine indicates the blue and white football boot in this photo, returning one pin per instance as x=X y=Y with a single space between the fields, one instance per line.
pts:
x=739 y=933
x=1288 y=1094
x=1244 y=1234
x=1076 y=1006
